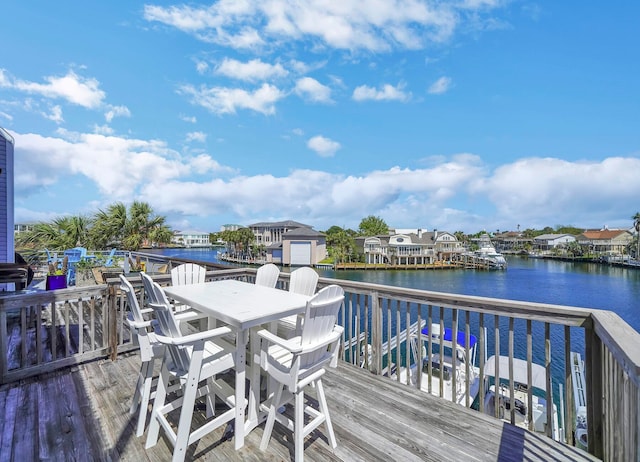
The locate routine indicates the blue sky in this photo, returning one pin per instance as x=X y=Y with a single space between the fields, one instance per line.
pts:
x=463 y=115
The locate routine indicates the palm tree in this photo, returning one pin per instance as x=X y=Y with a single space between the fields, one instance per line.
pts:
x=636 y=225
x=62 y=233
x=130 y=229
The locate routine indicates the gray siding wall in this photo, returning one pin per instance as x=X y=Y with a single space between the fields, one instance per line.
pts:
x=6 y=198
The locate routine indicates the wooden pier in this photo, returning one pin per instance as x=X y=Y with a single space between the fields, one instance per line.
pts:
x=82 y=413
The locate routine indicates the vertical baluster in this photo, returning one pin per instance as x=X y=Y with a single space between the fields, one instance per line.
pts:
x=529 y=375
x=454 y=355
x=389 y=349
x=418 y=349
x=482 y=347
x=350 y=335
x=407 y=345
x=467 y=363
x=441 y=381
x=568 y=381
x=398 y=360
x=511 y=385
x=547 y=363
x=496 y=345
x=430 y=349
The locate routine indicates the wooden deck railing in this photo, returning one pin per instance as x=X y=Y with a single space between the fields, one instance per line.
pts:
x=43 y=331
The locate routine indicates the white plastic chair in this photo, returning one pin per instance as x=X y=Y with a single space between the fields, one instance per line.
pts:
x=190 y=360
x=267 y=275
x=302 y=281
x=299 y=362
x=188 y=273
x=150 y=350
x=182 y=313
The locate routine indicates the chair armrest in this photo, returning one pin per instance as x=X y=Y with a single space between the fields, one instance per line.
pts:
x=189 y=315
x=293 y=347
x=194 y=338
x=139 y=325
x=146 y=310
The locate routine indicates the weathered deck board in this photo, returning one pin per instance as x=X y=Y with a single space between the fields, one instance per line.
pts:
x=82 y=413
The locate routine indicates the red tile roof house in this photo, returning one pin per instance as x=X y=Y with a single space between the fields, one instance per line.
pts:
x=607 y=241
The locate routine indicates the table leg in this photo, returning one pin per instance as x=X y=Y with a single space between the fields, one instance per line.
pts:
x=254 y=383
x=241 y=357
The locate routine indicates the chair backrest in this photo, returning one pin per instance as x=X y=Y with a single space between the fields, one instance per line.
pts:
x=188 y=273
x=132 y=300
x=167 y=323
x=267 y=275
x=320 y=319
x=149 y=290
x=303 y=281
x=109 y=260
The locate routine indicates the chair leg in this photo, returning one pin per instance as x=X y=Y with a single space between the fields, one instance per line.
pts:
x=139 y=384
x=186 y=416
x=298 y=424
x=268 y=428
x=158 y=403
x=146 y=396
x=322 y=401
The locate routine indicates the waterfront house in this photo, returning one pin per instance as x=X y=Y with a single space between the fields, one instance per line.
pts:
x=511 y=241
x=191 y=239
x=546 y=242
x=605 y=241
x=290 y=243
x=410 y=248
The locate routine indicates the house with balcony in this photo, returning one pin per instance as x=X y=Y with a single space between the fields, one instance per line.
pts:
x=191 y=239
x=546 y=242
x=605 y=241
x=410 y=248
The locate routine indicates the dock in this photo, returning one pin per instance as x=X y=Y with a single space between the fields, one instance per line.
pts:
x=82 y=413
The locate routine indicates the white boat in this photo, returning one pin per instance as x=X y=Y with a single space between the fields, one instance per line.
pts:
x=443 y=367
x=488 y=253
x=518 y=407
x=580 y=401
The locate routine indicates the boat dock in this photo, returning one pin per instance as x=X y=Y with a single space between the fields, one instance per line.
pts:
x=82 y=413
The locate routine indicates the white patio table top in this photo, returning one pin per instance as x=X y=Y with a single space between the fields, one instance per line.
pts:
x=242 y=306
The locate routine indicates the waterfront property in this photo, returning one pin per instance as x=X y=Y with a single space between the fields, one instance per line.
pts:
x=410 y=248
x=45 y=332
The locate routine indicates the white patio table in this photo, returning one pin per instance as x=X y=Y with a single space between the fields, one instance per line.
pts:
x=242 y=306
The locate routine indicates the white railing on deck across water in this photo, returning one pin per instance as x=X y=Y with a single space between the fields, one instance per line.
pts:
x=43 y=331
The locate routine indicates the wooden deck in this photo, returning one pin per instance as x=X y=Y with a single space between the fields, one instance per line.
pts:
x=81 y=413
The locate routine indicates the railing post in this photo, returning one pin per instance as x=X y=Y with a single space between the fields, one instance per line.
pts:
x=112 y=322
x=594 y=375
x=376 y=334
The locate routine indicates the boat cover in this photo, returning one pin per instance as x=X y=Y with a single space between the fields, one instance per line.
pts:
x=448 y=336
x=538 y=373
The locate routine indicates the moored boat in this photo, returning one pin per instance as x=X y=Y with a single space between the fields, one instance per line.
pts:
x=499 y=402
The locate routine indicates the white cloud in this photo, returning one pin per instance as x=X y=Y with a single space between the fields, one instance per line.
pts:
x=55 y=114
x=251 y=71
x=73 y=88
x=222 y=100
x=371 y=25
x=6 y=116
x=386 y=93
x=103 y=129
x=196 y=136
x=440 y=86
x=190 y=119
x=324 y=147
x=313 y=91
x=116 y=111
